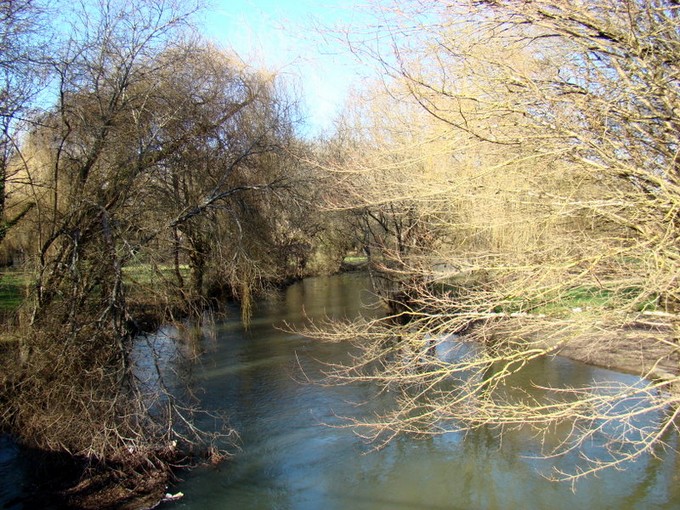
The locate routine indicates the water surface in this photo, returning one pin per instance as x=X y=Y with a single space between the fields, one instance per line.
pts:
x=292 y=457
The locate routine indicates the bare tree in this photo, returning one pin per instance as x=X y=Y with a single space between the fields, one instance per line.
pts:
x=164 y=171
x=77 y=388
x=537 y=145
x=225 y=195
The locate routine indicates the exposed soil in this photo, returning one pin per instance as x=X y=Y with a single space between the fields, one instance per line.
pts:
x=648 y=349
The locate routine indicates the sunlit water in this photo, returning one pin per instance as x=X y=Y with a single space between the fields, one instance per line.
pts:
x=292 y=456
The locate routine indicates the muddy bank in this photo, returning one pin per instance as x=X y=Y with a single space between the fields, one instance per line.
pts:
x=648 y=348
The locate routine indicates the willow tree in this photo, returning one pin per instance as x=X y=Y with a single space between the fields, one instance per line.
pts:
x=230 y=130
x=22 y=71
x=159 y=152
x=77 y=387
x=536 y=144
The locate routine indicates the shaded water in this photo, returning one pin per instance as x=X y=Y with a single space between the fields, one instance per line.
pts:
x=291 y=459
x=12 y=473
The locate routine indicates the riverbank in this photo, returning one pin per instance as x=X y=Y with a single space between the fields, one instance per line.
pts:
x=68 y=481
x=57 y=480
x=634 y=349
x=647 y=348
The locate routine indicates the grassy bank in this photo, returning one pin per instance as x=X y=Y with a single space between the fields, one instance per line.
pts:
x=13 y=291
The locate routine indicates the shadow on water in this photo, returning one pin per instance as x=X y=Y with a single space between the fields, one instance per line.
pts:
x=30 y=479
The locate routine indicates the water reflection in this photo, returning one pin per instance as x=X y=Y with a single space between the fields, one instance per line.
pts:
x=290 y=457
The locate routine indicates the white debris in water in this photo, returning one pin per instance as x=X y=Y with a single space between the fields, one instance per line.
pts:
x=173 y=497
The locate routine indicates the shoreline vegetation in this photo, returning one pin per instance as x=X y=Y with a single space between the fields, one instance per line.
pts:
x=65 y=480
x=83 y=484
x=622 y=350
x=644 y=349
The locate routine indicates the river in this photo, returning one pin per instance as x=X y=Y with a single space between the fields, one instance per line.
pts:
x=290 y=455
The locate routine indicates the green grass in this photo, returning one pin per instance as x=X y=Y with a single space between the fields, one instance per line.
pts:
x=13 y=284
x=145 y=274
x=581 y=299
x=355 y=260
x=12 y=290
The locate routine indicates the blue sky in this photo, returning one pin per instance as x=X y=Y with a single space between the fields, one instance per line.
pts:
x=280 y=36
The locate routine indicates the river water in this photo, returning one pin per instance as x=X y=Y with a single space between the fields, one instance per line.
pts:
x=291 y=457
